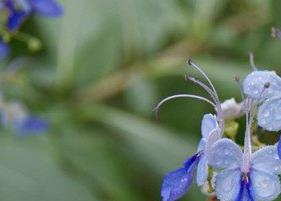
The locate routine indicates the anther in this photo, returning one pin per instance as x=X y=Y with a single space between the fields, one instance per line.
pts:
x=267 y=85
x=237 y=78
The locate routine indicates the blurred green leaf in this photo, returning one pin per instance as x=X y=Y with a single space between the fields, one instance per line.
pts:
x=97 y=157
x=147 y=139
x=28 y=171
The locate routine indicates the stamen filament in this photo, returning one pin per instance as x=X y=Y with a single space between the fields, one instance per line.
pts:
x=204 y=86
x=237 y=79
x=217 y=102
x=204 y=75
x=252 y=61
x=157 y=108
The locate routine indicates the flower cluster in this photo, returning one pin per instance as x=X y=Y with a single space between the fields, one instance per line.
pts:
x=15 y=12
x=227 y=171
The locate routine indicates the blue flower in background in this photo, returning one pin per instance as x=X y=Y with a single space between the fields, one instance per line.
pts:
x=4 y=50
x=15 y=12
x=245 y=177
x=32 y=125
x=177 y=182
x=15 y=116
x=19 y=10
x=265 y=86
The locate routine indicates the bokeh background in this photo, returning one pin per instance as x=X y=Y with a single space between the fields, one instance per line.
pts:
x=103 y=67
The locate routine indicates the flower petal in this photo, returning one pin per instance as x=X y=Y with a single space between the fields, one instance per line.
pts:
x=265 y=186
x=269 y=115
x=255 y=82
x=279 y=148
x=228 y=184
x=202 y=170
x=225 y=154
x=268 y=154
x=245 y=192
x=32 y=125
x=15 y=20
x=47 y=7
x=4 y=50
x=176 y=183
x=209 y=123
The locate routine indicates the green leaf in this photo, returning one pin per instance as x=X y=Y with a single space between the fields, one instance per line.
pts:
x=147 y=139
x=99 y=159
x=29 y=172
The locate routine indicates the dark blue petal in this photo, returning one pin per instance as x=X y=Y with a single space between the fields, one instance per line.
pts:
x=177 y=182
x=190 y=161
x=47 y=7
x=279 y=147
x=245 y=192
x=250 y=190
x=15 y=20
x=32 y=125
x=15 y=16
x=4 y=50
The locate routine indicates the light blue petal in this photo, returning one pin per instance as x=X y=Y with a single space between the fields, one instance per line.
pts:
x=4 y=50
x=202 y=171
x=265 y=186
x=209 y=123
x=225 y=154
x=202 y=145
x=266 y=159
x=254 y=83
x=25 y=5
x=228 y=184
x=269 y=115
x=49 y=8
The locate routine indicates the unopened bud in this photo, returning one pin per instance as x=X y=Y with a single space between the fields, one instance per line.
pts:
x=34 y=44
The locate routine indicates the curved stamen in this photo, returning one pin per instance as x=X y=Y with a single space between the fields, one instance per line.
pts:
x=252 y=61
x=157 y=108
x=204 y=75
x=237 y=80
x=218 y=105
x=204 y=86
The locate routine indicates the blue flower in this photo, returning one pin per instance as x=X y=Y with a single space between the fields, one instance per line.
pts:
x=31 y=125
x=177 y=182
x=4 y=50
x=265 y=87
x=244 y=177
x=19 y=10
x=48 y=8
x=15 y=116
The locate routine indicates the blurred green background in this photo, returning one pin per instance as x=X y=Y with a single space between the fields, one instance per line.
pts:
x=103 y=68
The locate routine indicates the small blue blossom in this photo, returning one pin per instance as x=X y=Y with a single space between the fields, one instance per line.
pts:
x=15 y=116
x=32 y=125
x=19 y=10
x=49 y=8
x=265 y=87
x=177 y=182
x=242 y=180
x=4 y=50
